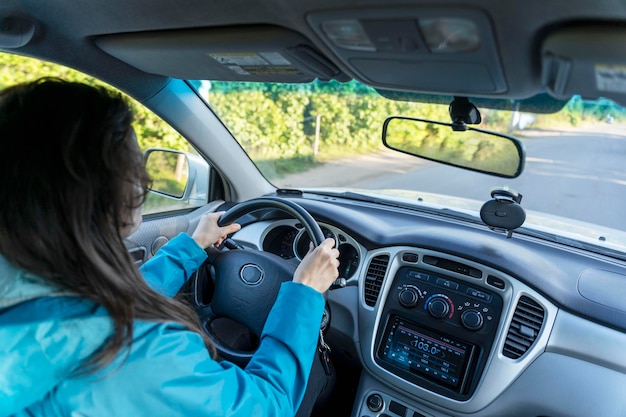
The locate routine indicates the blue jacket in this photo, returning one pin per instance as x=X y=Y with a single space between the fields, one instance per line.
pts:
x=167 y=372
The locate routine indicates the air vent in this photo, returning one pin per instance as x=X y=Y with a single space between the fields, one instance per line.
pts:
x=524 y=329
x=374 y=278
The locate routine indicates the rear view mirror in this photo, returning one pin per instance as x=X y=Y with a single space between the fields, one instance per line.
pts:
x=473 y=149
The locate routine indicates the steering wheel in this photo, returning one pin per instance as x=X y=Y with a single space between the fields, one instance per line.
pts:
x=246 y=282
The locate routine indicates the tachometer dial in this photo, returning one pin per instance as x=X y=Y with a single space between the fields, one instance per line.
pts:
x=286 y=245
x=280 y=241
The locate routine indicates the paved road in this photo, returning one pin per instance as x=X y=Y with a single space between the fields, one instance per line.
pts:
x=580 y=176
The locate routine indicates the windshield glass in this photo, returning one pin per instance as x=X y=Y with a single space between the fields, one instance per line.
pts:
x=328 y=135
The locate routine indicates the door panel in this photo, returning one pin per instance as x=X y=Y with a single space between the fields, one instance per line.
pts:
x=155 y=231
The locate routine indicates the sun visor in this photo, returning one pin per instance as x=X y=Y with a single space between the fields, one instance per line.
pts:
x=419 y=49
x=585 y=60
x=252 y=53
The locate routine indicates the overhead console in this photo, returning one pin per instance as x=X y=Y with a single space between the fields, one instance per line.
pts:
x=437 y=331
x=430 y=49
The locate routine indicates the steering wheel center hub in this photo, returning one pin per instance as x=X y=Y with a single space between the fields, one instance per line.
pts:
x=251 y=274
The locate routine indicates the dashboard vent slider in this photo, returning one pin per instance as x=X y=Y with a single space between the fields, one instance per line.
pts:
x=374 y=278
x=524 y=329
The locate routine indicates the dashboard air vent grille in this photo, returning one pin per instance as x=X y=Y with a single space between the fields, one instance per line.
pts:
x=524 y=329
x=374 y=278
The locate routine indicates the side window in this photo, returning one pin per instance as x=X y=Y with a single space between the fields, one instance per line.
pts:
x=180 y=176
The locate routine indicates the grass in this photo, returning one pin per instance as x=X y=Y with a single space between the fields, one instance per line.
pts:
x=278 y=168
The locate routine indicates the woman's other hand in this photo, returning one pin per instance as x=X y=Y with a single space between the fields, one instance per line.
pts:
x=318 y=269
x=208 y=233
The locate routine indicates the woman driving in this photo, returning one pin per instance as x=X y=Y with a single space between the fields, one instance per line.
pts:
x=82 y=331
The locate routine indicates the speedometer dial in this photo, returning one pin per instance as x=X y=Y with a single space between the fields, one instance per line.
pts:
x=348 y=260
x=304 y=240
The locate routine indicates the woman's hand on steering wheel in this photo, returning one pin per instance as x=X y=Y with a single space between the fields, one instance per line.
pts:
x=208 y=233
x=319 y=268
x=246 y=282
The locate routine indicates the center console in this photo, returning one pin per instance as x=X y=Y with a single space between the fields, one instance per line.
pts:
x=436 y=332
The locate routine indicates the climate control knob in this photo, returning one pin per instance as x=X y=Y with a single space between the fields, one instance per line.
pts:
x=409 y=297
x=439 y=307
x=472 y=319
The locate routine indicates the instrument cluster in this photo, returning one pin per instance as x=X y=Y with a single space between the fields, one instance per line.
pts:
x=291 y=241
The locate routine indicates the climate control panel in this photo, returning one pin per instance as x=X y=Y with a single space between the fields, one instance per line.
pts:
x=450 y=301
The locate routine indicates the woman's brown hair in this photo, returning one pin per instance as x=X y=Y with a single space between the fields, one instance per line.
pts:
x=71 y=174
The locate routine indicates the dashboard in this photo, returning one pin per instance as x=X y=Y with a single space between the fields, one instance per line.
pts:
x=449 y=318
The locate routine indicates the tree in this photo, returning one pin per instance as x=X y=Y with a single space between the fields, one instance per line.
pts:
x=150 y=129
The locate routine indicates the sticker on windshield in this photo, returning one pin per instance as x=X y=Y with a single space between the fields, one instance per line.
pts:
x=611 y=78
x=261 y=64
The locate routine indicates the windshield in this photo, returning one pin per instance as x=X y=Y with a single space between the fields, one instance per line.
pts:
x=328 y=135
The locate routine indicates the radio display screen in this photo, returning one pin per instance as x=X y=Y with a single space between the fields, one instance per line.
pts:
x=426 y=353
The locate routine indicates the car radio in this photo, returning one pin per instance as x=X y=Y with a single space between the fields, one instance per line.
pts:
x=426 y=353
x=437 y=332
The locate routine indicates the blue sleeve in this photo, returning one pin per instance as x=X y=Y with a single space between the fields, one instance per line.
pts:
x=37 y=353
x=173 y=264
x=170 y=373
x=275 y=380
